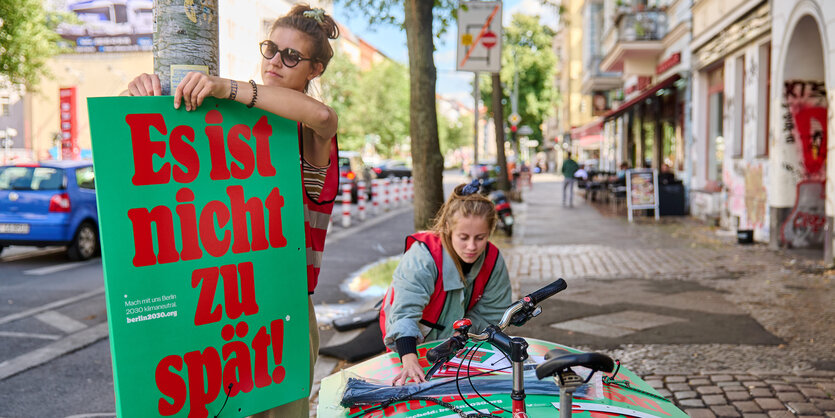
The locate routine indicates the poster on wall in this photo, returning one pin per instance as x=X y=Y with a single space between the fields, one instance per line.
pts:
x=109 y=25
x=203 y=249
x=642 y=191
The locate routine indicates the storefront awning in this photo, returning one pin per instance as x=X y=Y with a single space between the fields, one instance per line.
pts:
x=590 y=141
x=624 y=107
x=594 y=127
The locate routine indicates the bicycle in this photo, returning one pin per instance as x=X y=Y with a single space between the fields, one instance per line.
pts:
x=621 y=391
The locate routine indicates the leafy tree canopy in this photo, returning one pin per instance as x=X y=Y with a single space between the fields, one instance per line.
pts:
x=391 y=12
x=27 y=41
x=526 y=52
x=373 y=105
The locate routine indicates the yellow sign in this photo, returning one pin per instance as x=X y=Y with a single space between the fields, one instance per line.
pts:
x=467 y=39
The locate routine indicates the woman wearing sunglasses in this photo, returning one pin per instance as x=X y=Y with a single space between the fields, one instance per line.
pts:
x=296 y=52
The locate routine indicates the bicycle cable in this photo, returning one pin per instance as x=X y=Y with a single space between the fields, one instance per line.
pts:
x=610 y=380
x=470 y=380
x=478 y=413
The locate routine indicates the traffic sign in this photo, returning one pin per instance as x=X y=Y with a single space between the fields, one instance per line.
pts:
x=479 y=36
x=514 y=119
x=488 y=40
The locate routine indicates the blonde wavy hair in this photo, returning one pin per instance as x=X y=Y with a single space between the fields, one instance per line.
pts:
x=462 y=205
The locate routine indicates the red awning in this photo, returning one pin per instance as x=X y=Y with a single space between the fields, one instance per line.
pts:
x=594 y=127
x=624 y=107
x=591 y=141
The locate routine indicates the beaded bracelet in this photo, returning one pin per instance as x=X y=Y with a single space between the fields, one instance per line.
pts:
x=233 y=93
x=254 y=94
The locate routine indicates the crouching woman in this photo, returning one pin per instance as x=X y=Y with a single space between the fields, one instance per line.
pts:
x=448 y=273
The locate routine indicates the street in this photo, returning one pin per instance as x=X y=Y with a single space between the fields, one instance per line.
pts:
x=53 y=321
x=720 y=328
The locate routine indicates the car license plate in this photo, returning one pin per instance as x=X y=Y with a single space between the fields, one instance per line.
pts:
x=14 y=228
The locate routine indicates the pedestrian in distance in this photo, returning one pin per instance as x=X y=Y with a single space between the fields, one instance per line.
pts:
x=447 y=273
x=296 y=51
x=569 y=168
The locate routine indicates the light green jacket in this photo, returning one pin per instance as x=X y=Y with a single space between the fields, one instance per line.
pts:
x=414 y=282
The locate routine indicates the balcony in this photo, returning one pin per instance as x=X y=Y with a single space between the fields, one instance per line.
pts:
x=634 y=41
x=596 y=80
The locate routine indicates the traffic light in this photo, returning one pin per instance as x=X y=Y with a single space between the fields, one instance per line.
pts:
x=513 y=128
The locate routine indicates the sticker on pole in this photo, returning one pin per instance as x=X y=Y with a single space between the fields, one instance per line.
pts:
x=480 y=36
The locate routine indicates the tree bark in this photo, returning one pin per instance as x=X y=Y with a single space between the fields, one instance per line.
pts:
x=184 y=35
x=498 y=120
x=427 y=161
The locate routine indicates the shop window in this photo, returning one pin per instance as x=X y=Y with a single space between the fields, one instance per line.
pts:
x=764 y=103
x=739 y=107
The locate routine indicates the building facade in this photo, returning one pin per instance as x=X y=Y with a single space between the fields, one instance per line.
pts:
x=800 y=184
x=104 y=64
x=731 y=72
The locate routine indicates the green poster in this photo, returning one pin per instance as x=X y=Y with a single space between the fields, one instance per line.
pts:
x=203 y=248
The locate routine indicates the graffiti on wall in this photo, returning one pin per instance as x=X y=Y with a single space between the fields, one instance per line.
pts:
x=804 y=228
x=804 y=125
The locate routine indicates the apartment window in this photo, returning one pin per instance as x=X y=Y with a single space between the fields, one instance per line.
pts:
x=4 y=106
x=764 y=104
x=739 y=107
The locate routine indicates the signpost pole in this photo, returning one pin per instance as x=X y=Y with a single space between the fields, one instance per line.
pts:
x=629 y=194
x=655 y=188
x=475 y=117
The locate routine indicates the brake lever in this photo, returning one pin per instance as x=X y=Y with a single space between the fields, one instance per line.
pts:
x=528 y=311
x=462 y=326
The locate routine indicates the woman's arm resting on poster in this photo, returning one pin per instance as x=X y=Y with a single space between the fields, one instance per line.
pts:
x=284 y=102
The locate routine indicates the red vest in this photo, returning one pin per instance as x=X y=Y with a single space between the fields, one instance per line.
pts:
x=432 y=311
x=316 y=225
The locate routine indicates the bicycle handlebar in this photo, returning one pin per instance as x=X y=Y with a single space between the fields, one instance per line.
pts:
x=547 y=291
x=517 y=314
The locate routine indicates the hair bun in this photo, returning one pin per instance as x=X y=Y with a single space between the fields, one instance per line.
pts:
x=324 y=20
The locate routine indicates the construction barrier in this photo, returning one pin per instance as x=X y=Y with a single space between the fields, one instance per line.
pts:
x=346 y=205
x=361 y=196
x=386 y=185
x=375 y=196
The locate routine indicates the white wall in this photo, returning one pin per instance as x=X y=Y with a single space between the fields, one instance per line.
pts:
x=793 y=59
x=745 y=171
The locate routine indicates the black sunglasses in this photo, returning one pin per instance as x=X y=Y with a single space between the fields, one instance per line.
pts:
x=289 y=56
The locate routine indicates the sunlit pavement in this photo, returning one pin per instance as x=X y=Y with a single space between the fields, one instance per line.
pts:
x=722 y=329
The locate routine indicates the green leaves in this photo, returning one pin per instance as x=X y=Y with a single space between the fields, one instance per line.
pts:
x=27 y=41
x=373 y=105
x=526 y=52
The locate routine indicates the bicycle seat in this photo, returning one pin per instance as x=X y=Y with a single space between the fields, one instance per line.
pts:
x=557 y=360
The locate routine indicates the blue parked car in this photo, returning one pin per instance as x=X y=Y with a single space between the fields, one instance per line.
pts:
x=50 y=203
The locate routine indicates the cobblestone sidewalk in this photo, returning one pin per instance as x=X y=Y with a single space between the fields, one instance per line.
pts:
x=676 y=287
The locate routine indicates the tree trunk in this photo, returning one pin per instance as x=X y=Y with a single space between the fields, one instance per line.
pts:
x=184 y=36
x=498 y=120
x=427 y=161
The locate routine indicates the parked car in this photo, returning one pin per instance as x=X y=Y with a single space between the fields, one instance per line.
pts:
x=392 y=168
x=50 y=203
x=484 y=170
x=352 y=169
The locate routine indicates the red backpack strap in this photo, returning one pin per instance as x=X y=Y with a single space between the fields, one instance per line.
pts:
x=432 y=311
x=483 y=275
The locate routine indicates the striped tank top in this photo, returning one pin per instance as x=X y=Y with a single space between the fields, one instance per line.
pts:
x=319 y=186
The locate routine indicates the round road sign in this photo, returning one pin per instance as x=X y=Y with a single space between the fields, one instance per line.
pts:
x=488 y=39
